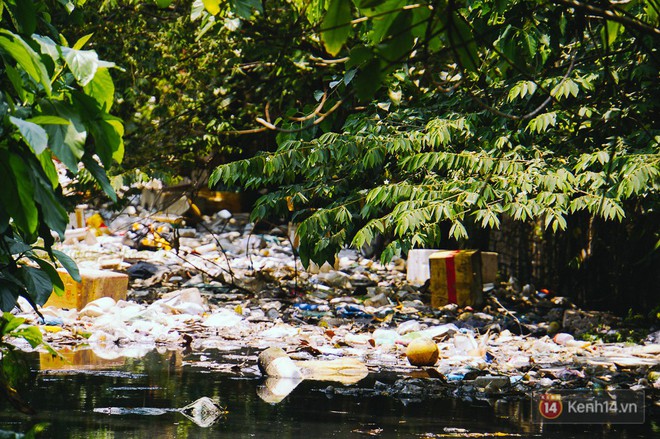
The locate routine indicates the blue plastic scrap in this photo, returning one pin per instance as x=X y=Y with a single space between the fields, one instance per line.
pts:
x=351 y=311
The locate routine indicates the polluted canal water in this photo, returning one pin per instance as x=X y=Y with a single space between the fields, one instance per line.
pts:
x=228 y=336
x=86 y=396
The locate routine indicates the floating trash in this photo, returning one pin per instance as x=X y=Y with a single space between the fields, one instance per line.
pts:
x=203 y=412
x=229 y=282
x=141 y=411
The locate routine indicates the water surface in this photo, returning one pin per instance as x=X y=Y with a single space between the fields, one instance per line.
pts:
x=90 y=397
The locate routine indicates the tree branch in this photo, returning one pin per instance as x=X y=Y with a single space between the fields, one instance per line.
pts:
x=609 y=14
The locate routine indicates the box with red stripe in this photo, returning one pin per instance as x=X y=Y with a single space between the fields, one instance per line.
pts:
x=456 y=278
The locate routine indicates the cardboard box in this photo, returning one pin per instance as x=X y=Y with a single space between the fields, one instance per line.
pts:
x=418 y=271
x=417 y=265
x=456 y=278
x=95 y=284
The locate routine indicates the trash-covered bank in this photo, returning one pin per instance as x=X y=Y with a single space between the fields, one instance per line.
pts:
x=224 y=284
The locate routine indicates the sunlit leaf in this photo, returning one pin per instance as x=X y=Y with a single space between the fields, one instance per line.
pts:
x=31 y=334
x=48 y=46
x=610 y=32
x=197 y=10
x=26 y=57
x=34 y=135
x=102 y=89
x=336 y=26
x=212 y=6
x=82 y=63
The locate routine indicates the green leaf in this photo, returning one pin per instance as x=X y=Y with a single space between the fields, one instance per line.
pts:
x=336 y=26
x=82 y=41
x=69 y=5
x=25 y=192
x=24 y=14
x=603 y=157
x=25 y=57
x=49 y=120
x=53 y=213
x=34 y=135
x=17 y=193
x=244 y=8
x=163 y=3
x=8 y=294
x=102 y=89
x=99 y=175
x=652 y=9
x=12 y=322
x=382 y=18
x=16 y=81
x=118 y=145
x=37 y=283
x=348 y=77
x=66 y=141
x=82 y=63
x=541 y=122
x=108 y=138
x=68 y=263
x=53 y=275
x=48 y=47
x=17 y=246
x=399 y=40
x=358 y=56
x=610 y=32
x=393 y=249
x=38 y=430
x=31 y=334
x=531 y=44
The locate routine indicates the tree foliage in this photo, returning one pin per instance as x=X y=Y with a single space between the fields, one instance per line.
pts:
x=192 y=81
x=457 y=113
x=54 y=106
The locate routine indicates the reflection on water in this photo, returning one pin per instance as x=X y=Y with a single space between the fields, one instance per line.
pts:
x=142 y=397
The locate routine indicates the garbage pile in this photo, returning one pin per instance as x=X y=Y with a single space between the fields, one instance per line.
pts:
x=228 y=284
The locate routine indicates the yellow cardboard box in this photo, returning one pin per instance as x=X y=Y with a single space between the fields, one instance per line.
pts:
x=95 y=284
x=456 y=278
